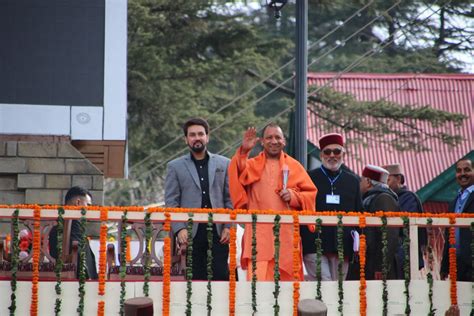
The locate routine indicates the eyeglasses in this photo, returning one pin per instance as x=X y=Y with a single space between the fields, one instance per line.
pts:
x=336 y=151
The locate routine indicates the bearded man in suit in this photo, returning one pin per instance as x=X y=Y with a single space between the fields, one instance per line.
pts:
x=199 y=180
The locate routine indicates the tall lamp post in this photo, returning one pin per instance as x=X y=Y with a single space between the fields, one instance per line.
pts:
x=301 y=83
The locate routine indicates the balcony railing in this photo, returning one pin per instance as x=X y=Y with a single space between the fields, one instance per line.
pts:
x=171 y=293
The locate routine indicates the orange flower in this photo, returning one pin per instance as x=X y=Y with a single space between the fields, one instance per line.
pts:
x=128 y=254
x=296 y=262
x=232 y=267
x=452 y=262
x=166 y=267
x=36 y=254
x=101 y=308
x=362 y=260
x=103 y=250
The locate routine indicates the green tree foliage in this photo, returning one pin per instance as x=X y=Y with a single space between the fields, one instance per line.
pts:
x=185 y=59
x=201 y=58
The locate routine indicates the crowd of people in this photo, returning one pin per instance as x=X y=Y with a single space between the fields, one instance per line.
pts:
x=274 y=180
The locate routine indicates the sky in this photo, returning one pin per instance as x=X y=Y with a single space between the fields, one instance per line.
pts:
x=468 y=25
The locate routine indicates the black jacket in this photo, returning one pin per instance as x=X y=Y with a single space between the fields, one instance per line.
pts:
x=91 y=269
x=380 y=199
x=348 y=188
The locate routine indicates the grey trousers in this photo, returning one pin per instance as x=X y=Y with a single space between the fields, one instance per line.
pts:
x=329 y=263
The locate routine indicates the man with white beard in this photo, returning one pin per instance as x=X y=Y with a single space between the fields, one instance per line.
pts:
x=338 y=190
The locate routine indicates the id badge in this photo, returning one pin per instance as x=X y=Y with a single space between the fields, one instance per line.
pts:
x=333 y=199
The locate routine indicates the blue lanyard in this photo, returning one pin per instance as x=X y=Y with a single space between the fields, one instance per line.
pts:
x=331 y=181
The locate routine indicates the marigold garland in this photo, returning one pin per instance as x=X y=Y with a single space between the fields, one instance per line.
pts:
x=102 y=255
x=15 y=251
x=101 y=308
x=128 y=254
x=36 y=254
x=82 y=262
x=254 y=263
x=189 y=265
x=58 y=268
x=340 y=256
x=296 y=263
x=166 y=266
x=406 y=263
x=276 y=234
x=243 y=211
x=232 y=264
x=319 y=254
x=146 y=268
x=452 y=262
x=362 y=261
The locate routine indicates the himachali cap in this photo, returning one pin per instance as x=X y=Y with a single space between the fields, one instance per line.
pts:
x=375 y=173
x=329 y=139
x=394 y=169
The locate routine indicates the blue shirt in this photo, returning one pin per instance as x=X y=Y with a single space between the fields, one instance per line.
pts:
x=461 y=200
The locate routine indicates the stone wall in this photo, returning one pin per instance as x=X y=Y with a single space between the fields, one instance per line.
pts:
x=42 y=172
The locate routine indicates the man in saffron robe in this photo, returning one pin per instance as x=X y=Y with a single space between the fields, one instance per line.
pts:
x=257 y=184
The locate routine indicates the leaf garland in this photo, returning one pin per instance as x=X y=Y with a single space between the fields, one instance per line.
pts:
x=340 y=255
x=472 y=264
x=210 y=236
x=384 y=264
x=429 y=276
x=254 y=263
x=15 y=252
x=319 y=254
x=406 y=263
x=189 y=265
x=58 y=268
x=82 y=262
x=146 y=268
x=123 y=262
x=276 y=234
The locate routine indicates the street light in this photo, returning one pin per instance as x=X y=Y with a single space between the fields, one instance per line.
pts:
x=276 y=5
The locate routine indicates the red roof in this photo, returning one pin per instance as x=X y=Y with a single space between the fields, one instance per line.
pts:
x=448 y=92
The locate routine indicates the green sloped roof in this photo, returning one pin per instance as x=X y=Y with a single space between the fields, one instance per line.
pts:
x=444 y=187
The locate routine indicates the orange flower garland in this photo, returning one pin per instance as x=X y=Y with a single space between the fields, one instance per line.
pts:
x=166 y=267
x=128 y=254
x=452 y=262
x=101 y=308
x=36 y=255
x=296 y=262
x=362 y=258
x=232 y=264
x=8 y=240
x=102 y=258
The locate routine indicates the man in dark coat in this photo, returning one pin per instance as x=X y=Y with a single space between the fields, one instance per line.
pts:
x=338 y=190
x=410 y=203
x=376 y=196
x=76 y=196
x=463 y=203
